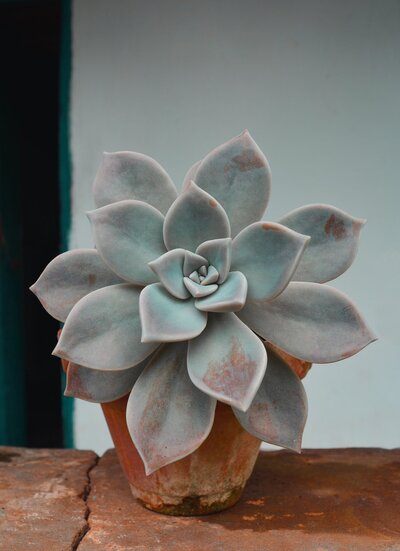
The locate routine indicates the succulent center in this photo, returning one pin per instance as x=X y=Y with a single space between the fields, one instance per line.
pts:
x=202 y=282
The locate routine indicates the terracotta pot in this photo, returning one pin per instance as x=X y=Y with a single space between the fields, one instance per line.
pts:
x=209 y=480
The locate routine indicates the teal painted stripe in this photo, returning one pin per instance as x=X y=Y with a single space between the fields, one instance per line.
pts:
x=12 y=368
x=65 y=177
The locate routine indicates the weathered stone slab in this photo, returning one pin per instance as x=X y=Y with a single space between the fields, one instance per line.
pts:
x=42 y=498
x=322 y=500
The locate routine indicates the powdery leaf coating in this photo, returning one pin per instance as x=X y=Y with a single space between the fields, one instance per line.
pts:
x=128 y=235
x=267 y=254
x=193 y=218
x=165 y=318
x=69 y=277
x=103 y=330
x=230 y=296
x=278 y=412
x=167 y=416
x=169 y=269
x=333 y=245
x=310 y=321
x=99 y=386
x=238 y=175
x=227 y=361
x=129 y=175
x=219 y=254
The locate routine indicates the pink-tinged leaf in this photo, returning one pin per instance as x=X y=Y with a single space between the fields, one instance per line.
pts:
x=165 y=318
x=193 y=218
x=103 y=330
x=129 y=175
x=333 y=245
x=190 y=175
x=99 y=386
x=267 y=254
x=69 y=277
x=310 y=321
x=238 y=176
x=227 y=361
x=219 y=254
x=167 y=416
x=230 y=296
x=128 y=235
x=169 y=269
x=278 y=412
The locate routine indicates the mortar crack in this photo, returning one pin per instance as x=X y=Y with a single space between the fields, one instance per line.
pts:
x=84 y=496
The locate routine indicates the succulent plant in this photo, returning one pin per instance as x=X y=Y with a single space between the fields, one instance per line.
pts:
x=175 y=302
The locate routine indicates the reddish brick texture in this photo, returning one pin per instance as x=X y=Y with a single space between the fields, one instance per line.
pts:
x=321 y=500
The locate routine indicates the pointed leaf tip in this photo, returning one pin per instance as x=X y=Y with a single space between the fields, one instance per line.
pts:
x=167 y=416
x=69 y=277
x=238 y=175
x=122 y=223
x=334 y=241
x=165 y=318
x=278 y=412
x=227 y=361
x=194 y=217
x=94 y=385
x=103 y=330
x=267 y=254
x=130 y=175
x=310 y=321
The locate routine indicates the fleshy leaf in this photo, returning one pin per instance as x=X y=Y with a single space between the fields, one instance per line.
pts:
x=193 y=218
x=165 y=318
x=130 y=175
x=211 y=277
x=219 y=254
x=69 y=277
x=278 y=412
x=267 y=254
x=194 y=276
x=167 y=416
x=193 y=262
x=197 y=290
x=103 y=330
x=227 y=361
x=230 y=296
x=169 y=269
x=99 y=386
x=128 y=235
x=310 y=321
x=333 y=245
x=238 y=175
x=190 y=175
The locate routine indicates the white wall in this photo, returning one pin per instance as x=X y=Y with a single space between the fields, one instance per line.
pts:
x=318 y=85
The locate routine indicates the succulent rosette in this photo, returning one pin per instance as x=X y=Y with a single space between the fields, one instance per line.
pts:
x=174 y=303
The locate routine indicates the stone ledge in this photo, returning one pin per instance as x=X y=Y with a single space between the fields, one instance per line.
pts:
x=322 y=500
x=43 y=498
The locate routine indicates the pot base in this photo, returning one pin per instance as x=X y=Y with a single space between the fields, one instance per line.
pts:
x=208 y=480
x=187 y=506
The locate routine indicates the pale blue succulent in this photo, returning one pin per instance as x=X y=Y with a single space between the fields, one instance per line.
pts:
x=171 y=304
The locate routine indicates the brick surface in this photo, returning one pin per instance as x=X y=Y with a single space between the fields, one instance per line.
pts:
x=322 y=500
x=42 y=498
